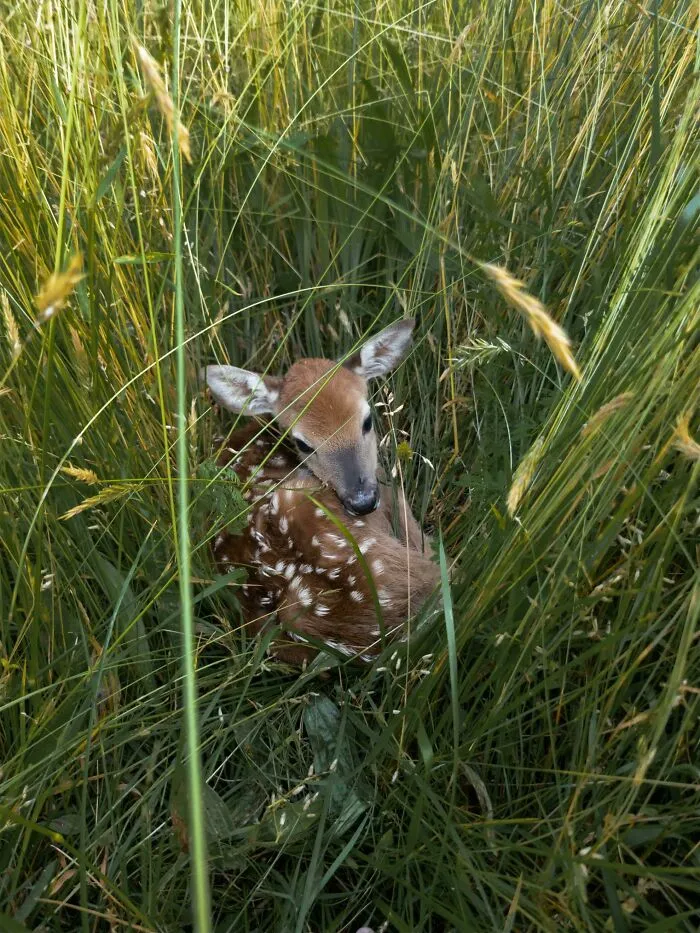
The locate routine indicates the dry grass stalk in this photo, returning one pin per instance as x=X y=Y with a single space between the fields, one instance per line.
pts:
x=57 y=288
x=684 y=441
x=107 y=494
x=154 y=79
x=11 y=327
x=79 y=473
x=523 y=476
x=604 y=412
x=514 y=291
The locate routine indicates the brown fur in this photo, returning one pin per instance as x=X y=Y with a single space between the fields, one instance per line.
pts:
x=316 y=400
x=302 y=573
x=326 y=403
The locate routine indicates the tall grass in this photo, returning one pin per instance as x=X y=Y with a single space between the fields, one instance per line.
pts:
x=529 y=761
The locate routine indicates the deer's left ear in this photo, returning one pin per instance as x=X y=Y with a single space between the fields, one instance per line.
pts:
x=382 y=353
x=238 y=389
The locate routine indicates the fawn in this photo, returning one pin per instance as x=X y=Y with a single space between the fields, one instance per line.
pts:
x=316 y=453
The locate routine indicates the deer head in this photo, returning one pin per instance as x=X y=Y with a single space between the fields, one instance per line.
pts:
x=323 y=405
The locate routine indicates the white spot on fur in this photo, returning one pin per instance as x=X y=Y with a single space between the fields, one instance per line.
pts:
x=378 y=566
x=219 y=539
x=274 y=503
x=290 y=570
x=306 y=568
x=284 y=524
x=384 y=598
x=319 y=513
x=280 y=565
x=334 y=573
x=260 y=443
x=367 y=544
x=359 y=523
x=302 y=591
x=278 y=462
x=351 y=580
x=315 y=542
x=321 y=610
x=356 y=596
x=305 y=597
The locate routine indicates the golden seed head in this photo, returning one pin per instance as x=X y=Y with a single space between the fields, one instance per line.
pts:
x=153 y=78
x=57 y=288
x=684 y=441
x=514 y=291
x=605 y=411
x=11 y=327
x=108 y=494
x=523 y=476
x=79 y=473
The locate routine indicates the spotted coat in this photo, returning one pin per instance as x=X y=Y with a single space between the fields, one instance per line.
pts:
x=350 y=588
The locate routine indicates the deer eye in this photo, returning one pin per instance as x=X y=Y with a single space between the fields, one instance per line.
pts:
x=303 y=447
x=367 y=425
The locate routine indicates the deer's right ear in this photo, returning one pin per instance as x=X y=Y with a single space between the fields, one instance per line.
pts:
x=239 y=390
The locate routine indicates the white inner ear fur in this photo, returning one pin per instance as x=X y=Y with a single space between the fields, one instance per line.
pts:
x=380 y=354
x=238 y=389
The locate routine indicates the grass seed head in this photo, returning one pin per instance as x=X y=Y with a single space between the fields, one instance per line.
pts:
x=108 y=494
x=684 y=441
x=153 y=78
x=543 y=326
x=11 y=328
x=604 y=412
x=149 y=155
x=81 y=474
x=57 y=288
x=523 y=476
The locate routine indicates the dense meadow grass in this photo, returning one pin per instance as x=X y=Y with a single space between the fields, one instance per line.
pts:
x=529 y=759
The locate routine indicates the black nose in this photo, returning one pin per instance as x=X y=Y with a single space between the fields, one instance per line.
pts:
x=362 y=501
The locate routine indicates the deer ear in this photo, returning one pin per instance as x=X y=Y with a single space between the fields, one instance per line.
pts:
x=382 y=353
x=237 y=389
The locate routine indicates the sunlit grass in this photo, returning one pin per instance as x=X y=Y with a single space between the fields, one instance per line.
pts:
x=530 y=760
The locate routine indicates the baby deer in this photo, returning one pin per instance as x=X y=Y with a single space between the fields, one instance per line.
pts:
x=348 y=586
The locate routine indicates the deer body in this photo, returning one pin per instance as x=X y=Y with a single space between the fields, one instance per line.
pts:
x=349 y=587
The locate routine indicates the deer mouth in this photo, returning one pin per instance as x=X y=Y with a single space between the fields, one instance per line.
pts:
x=362 y=503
